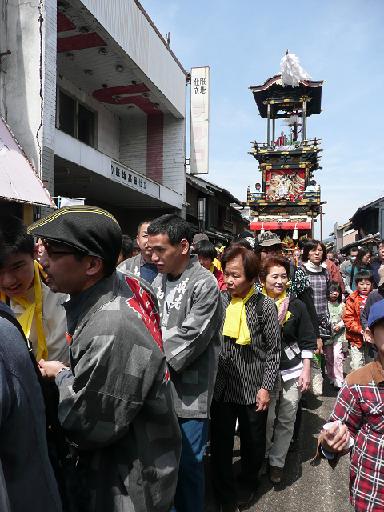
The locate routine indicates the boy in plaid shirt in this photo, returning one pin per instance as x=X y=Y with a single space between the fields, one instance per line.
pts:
x=357 y=425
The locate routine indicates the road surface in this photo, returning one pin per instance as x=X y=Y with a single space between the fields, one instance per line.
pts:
x=304 y=488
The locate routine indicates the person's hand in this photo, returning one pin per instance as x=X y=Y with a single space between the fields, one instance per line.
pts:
x=262 y=400
x=336 y=438
x=319 y=342
x=367 y=336
x=305 y=376
x=49 y=369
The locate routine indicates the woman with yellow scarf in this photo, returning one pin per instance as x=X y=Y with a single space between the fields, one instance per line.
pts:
x=298 y=343
x=247 y=370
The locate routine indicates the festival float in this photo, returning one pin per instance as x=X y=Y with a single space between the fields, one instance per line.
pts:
x=288 y=199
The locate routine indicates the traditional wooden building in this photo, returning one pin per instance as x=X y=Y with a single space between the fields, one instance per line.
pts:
x=369 y=219
x=287 y=200
x=212 y=209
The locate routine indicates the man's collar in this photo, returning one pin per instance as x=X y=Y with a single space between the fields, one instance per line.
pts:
x=83 y=304
x=377 y=372
x=372 y=372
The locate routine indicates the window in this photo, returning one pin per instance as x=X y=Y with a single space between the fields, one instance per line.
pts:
x=75 y=119
x=67 y=114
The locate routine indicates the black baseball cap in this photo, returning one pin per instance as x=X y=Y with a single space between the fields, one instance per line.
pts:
x=89 y=229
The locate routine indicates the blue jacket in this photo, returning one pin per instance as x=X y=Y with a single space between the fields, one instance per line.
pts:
x=27 y=481
x=375 y=265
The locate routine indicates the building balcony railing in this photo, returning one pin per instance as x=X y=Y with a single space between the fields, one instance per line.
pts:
x=308 y=197
x=309 y=145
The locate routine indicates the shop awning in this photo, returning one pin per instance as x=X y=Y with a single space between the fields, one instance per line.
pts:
x=273 y=226
x=18 y=180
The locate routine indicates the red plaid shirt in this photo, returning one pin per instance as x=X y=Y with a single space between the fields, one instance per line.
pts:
x=361 y=408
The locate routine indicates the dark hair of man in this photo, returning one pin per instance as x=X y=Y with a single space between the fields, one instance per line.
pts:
x=141 y=223
x=335 y=287
x=376 y=324
x=363 y=274
x=249 y=258
x=360 y=255
x=301 y=242
x=176 y=228
x=311 y=245
x=14 y=238
x=273 y=261
x=353 y=249
x=244 y=243
x=126 y=246
x=205 y=249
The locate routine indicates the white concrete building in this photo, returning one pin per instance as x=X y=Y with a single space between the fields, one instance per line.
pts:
x=96 y=98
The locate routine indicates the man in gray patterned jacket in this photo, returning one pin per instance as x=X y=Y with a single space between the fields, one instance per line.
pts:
x=191 y=310
x=115 y=401
x=141 y=265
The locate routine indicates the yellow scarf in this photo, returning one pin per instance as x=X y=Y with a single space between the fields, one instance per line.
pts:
x=33 y=310
x=235 y=324
x=282 y=304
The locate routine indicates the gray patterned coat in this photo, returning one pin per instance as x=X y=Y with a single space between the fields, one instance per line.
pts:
x=131 y=265
x=116 y=406
x=191 y=338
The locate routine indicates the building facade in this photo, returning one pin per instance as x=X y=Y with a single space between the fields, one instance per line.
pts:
x=212 y=210
x=96 y=98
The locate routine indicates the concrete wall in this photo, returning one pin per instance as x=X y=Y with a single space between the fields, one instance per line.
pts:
x=21 y=101
x=133 y=142
x=174 y=154
x=28 y=79
x=48 y=61
x=108 y=124
x=130 y=28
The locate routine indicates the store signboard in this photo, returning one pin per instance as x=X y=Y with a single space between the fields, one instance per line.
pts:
x=133 y=179
x=199 y=120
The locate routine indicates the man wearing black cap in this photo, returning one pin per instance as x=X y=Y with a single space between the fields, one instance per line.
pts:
x=115 y=402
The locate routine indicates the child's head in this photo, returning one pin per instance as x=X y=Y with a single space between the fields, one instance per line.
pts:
x=376 y=325
x=364 y=282
x=16 y=257
x=206 y=253
x=335 y=292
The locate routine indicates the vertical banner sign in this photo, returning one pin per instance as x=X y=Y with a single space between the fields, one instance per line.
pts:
x=199 y=157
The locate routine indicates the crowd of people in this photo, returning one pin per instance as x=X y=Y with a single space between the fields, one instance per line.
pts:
x=121 y=361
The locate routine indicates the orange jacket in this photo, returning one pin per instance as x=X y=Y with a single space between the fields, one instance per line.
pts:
x=351 y=319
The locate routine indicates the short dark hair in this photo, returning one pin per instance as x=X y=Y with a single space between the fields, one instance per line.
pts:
x=274 y=261
x=244 y=243
x=141 y=223
x=310 y=245
x=205 y=249
x=172 y=225
x=363 y=251
x=363 y=274
x=335 y=287
x=250 y=262
x=379 y=322
x=126 y=246
x=14 y=238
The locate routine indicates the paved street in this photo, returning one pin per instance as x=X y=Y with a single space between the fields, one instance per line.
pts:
x=306 y=488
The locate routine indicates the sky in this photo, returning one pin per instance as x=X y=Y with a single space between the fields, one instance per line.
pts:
x=243 y=41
